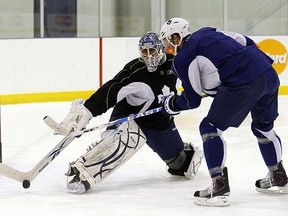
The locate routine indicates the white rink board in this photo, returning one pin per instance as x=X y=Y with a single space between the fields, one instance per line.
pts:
x=59 y=65
x=48 y=65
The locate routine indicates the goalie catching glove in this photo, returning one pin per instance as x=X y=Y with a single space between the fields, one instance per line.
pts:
x=76 y=120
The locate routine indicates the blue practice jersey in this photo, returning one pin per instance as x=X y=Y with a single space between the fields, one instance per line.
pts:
x=210 y=58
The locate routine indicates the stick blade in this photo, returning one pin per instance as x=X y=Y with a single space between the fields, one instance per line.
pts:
x=11 y=173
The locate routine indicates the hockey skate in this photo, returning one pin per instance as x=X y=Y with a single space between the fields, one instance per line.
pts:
x=275 y=182
x=192 y=163
x=217 y=194
x=76 y=185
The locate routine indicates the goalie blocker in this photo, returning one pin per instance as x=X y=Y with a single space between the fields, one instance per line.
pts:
x=105 y=157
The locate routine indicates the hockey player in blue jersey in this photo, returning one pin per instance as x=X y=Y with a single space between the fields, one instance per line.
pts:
x=229 y=67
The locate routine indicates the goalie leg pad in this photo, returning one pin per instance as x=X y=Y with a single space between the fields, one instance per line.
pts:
x=187 y=162
x=195 y=163
x=109 y=154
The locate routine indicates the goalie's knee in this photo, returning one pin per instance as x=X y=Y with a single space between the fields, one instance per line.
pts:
x=187 y=162
x=176 y=163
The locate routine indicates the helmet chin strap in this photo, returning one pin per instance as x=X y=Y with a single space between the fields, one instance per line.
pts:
x=175 y=49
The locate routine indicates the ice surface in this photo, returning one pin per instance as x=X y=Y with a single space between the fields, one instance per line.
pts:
x=142 y=186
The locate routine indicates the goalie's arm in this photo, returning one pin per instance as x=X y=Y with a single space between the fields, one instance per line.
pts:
x=106 y=96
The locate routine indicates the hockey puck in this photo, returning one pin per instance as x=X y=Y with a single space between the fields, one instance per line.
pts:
x=26 y=184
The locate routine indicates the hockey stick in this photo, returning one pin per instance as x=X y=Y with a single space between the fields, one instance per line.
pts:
x=27 y=177
x=57 y=128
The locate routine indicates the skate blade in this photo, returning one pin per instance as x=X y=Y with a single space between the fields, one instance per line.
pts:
x=273 y=190
x=195 y=163
x=217 y=201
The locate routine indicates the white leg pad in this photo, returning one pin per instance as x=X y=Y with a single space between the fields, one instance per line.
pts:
x=195 y=162
x=110 y=153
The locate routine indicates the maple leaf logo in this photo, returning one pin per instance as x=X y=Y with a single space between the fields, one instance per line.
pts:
x=165 y=91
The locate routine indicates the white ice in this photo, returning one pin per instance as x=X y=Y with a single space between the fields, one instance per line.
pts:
x=142 y=186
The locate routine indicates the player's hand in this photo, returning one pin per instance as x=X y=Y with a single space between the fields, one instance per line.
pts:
x=168 y=107
x=77 y=119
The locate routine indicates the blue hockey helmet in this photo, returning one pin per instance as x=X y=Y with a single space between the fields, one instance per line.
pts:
x=152 y=51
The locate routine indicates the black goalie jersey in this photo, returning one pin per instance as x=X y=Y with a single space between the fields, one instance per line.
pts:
x=135 y=90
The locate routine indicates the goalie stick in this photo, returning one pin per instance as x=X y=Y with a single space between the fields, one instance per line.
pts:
x=59 y=129
x=27 y=177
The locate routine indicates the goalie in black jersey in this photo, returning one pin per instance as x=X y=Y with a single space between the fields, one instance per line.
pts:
x=138 y=87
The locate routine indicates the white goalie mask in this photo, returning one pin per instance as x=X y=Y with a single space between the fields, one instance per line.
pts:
x=151 y=51
x=173 y=26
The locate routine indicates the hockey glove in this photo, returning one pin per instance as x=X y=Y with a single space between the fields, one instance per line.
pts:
x=168 y=106
x=77 y=118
